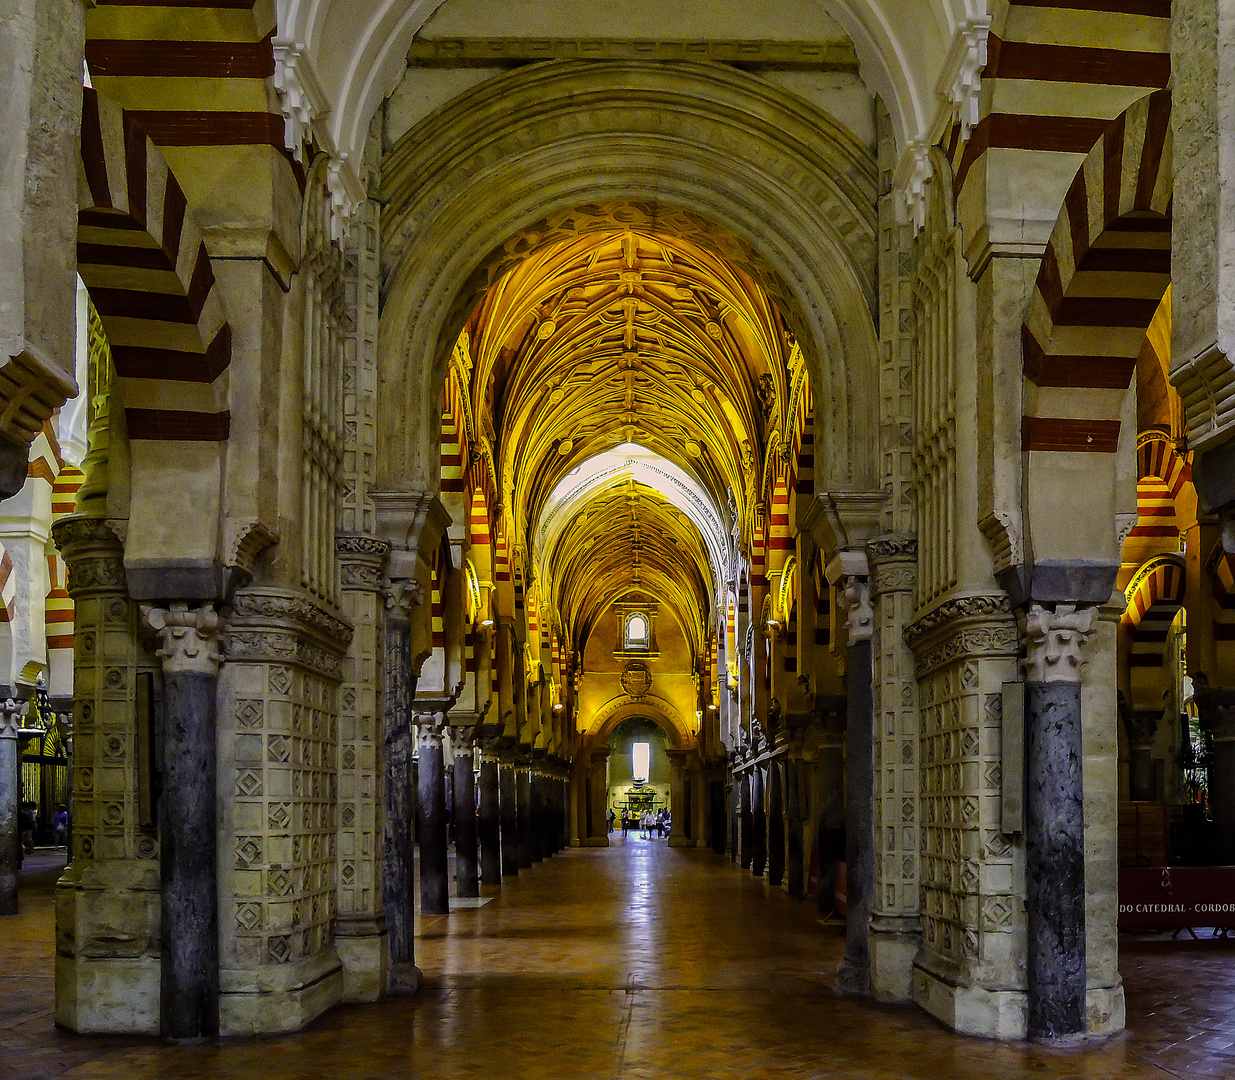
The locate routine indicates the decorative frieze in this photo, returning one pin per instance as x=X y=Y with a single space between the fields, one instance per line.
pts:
x=977 y=626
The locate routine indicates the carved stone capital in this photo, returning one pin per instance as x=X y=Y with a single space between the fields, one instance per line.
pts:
x=430 y=729
x=93 y=554
x=190 y=637
x=11 y=713
x=1054 y=640
x=1142 y=726
x=893 y=561
x=978 y=626
x=855 y=598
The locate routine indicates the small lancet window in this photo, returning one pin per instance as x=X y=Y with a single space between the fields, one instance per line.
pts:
x=641 y=760
x=637 y=632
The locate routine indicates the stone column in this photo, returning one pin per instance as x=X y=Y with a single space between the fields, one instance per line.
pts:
x=490 y=836
x=399 y=796
x=759 y=822
x=734 y=819
x=776 y=824
x=1142 y=726
x=1055 y=820
x=746 y=847
x=830 y=836
x=523 y=794
x=795 y=883
x=431 y=818
x=508 y=802
x=854 y=974
x=678 y=764
x=536 y=829
x=1217 y=709
x=10 y=789
x=467 y=868
x=595 y=794
x=188 y=826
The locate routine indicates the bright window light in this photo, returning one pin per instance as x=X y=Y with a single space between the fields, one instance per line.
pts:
x=636 y=631
x=641 y=752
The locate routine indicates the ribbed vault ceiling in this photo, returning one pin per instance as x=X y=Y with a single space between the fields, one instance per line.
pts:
x=629 y=383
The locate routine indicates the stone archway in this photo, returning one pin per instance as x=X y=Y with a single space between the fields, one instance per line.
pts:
x=717 y=143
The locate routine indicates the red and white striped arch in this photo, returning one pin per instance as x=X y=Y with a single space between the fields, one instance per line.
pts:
x=1155 y=594
x=145 y=265
x=1101 y=279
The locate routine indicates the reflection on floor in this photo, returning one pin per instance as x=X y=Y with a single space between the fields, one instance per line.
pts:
x=636 y=961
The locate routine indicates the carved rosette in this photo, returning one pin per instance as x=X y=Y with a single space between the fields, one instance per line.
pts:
x=93 y=554
x=190 y=637
x=980 y=626
x=282 y=627
x=1053 y=642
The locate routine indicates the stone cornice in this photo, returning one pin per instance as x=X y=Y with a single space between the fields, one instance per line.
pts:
x=283 y=627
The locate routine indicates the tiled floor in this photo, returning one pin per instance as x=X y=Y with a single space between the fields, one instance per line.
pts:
x=636 y=961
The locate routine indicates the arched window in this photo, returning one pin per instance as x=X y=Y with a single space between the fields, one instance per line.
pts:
x=637 y=631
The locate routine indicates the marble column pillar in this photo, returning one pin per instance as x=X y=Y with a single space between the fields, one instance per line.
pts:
x=10 y=796
x=189 y=997
x=795 y=882
x=830 y=826
x=1055 y=820
x=508 y=801
x=733 y=824
x=467 y=868
x=490 y=819
x=431 y=819
x=678 y=764
x=399 y=797
x=759 y=822
x=746 y=847
x=776 y=824
x=536 y=834
x=1141 y=726
x=854 y=974
x=523 y=796
x=1217 y=709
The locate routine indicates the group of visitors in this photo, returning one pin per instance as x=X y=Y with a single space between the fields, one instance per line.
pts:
x=649 y=823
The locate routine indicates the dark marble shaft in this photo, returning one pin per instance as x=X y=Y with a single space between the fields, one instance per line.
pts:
x=795 y=839
x=523 y=786
x=776 y=827
x=745 y=827
x=854 y=974
x=189 y=1002
x=399 y=798
x=434 y=867
x=467 y=869
x=1055 y=859
x=759 y=824
x=1141 y=774
x=509 y=800
x=10 y=844
x=1222 y=800
x=536 y=831
x=490 y=824
x=734 y=822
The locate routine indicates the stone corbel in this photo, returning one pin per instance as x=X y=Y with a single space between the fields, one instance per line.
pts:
x=300 y=94
x=190 y=637
x=850 y=571
x=1054 y=642
x=961 y=80
x=11 y=713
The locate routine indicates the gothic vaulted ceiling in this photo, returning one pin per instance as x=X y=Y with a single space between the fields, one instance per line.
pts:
x=626 y=387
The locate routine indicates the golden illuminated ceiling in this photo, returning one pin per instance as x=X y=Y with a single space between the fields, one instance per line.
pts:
x=617 y=343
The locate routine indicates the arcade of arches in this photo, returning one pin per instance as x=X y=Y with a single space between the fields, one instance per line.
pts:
x=408 y=405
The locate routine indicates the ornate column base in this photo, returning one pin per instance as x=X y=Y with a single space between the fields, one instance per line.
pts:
x=969 y=1009
x=363 y=946
x=894 y=943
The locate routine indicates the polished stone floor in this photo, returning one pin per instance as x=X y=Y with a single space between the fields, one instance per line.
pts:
x=635 y=961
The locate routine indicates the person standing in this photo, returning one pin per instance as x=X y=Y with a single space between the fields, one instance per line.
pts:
x=60 y=825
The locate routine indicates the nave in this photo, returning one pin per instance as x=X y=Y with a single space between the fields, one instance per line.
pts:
x=636 y=960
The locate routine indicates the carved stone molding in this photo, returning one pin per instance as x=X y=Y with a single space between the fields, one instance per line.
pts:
x=93 y=553
x=276 y=626
x=893 y=562
x=190 y=637
x=978 y=627
x=1053 y=642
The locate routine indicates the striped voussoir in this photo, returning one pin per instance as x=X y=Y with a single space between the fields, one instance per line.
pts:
x=1155 y=594
x=1102 y=278
x=145 y=265
x=1162 y=473
x=1057 y=72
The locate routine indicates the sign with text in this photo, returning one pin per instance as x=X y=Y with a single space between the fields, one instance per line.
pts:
x=1170 y=897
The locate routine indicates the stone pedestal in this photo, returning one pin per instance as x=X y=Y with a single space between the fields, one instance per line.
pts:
x=10 y=796
x=188 y=827
x=467 y=853
x=508 y=796
x=431 y=819
x=1055 y=822
x=490 y=824
x=854 y=974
